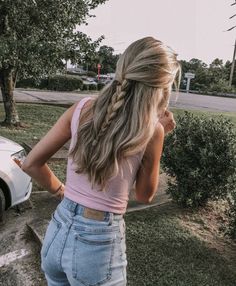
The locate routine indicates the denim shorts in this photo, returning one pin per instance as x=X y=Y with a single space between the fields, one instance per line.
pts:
x=82 y=251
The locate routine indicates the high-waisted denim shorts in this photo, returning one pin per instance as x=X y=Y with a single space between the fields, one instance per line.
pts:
x=82 y=251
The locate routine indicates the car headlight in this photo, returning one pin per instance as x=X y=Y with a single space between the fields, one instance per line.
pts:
x=19 y=157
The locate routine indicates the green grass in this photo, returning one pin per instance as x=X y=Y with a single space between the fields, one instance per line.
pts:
x=228 y=115
x=39 y=119
x=160 y=251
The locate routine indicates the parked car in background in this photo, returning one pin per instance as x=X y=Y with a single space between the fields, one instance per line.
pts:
x=15 y=185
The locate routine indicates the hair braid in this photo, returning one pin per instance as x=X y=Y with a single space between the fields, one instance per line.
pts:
x=116 y=103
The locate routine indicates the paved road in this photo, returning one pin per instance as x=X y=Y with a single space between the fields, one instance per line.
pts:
x=204 y=102
x=179 y=100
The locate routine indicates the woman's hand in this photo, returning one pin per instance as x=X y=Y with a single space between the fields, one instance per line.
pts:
x=59 y=194
x=167 y=121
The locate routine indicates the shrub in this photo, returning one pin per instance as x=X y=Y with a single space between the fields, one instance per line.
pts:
x=222 y=86
x=65 y=82
x=55 y=82
x=100 y=85
x=43 y=84
x=91 y=74
x=88 y=86
x=28 y=83
x=200 y=155
x=231 y=213
x=200 y=87
x=92 y=87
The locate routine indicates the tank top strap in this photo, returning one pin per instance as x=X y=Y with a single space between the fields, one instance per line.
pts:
x=76 y=114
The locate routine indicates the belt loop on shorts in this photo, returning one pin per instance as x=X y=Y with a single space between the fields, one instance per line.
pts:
x=69 y=204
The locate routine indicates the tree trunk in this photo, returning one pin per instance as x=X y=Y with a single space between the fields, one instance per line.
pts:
x=7 y=87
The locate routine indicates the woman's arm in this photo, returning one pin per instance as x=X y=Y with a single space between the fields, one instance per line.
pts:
x=35 y=163
x=148 y=174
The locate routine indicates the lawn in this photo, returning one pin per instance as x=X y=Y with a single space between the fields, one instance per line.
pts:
x=165 y=245
x=162 y=252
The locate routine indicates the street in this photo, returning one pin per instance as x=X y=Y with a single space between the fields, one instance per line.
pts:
x=178 y=100
x=203 y=102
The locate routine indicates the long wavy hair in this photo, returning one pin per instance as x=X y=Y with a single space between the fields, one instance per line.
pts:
x=122 y=119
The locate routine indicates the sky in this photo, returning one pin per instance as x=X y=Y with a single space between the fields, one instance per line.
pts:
x=193 y=28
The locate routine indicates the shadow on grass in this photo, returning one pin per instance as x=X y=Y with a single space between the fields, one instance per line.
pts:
x=161 y=252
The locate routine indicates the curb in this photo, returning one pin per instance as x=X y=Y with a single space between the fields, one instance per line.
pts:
x=37 y=230
x=144 y=207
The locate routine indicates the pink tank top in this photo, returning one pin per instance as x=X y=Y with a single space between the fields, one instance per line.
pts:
x=79 y=189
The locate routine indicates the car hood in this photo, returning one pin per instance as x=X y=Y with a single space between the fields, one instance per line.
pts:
x=8 y=145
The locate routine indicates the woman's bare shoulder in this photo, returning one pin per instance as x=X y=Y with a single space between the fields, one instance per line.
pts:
x=72 y=109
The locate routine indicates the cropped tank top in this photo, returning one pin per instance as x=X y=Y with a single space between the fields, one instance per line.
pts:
x=79 y=189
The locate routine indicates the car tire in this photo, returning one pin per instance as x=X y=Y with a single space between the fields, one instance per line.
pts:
x=2 y=204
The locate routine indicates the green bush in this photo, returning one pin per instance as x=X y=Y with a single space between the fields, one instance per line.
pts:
x=200 y=155
x=91 y=74
x=221 y=86
x=55 y=82
x=89 y=87
x=200 y=87
x=43 y=84
x=231 y=213
x=65 y=82
x=100 y=85
x=28 y=83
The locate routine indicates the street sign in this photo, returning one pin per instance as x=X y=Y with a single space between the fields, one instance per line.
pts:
x=189 y=75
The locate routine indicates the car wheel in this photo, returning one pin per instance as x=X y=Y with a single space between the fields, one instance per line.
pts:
x=2 y=204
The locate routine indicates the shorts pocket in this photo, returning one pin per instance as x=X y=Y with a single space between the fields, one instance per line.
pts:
x=92 y=257
x=52 y=230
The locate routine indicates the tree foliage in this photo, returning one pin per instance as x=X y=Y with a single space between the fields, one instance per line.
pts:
x=105 y=57
x=214 y=77
x=37 y=36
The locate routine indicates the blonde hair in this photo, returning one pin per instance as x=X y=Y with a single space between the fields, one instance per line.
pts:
x=122 y=119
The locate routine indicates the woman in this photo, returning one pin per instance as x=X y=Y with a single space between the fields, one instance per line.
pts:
x=116 y=140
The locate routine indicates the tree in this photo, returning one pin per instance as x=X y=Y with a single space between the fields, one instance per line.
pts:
x=105 y=56
x=107 y=59
x=35 y=37
x=227 y=67
x=199 y=68
x=217 y=71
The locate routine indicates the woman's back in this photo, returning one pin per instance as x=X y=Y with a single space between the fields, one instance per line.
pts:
x=79 y=189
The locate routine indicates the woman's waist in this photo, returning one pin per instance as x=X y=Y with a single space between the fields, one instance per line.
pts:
x=87 y=210
x=98 y=200
x=82 y=218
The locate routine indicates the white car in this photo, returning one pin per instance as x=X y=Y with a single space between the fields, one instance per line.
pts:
x=15 y=185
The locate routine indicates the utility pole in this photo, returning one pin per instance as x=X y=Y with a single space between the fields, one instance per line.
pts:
x=232 y=66
x=234 y=53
